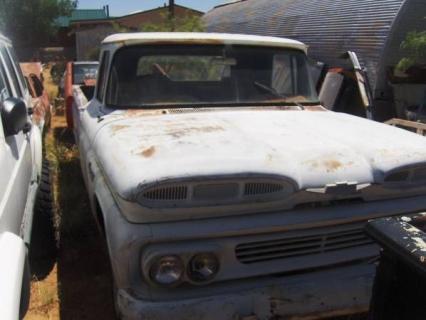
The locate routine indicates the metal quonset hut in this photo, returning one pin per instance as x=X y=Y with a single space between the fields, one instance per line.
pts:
x=374 y=29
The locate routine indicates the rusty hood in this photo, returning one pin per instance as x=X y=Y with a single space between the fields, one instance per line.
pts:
x=311 y=148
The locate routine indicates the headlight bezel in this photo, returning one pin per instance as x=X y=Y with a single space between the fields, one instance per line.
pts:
x=190 y=268
x=185 y=277
x=156 y=261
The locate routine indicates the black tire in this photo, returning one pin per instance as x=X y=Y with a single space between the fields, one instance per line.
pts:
x=43 y=239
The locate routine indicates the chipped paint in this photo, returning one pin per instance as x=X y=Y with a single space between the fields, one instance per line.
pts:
x=329 y=165
x=420 y=243
x=117 y=128
x=179 y=133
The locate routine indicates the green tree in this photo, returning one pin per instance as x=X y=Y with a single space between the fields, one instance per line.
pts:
x=415 y=46
x=32 y=22
x=189 y=23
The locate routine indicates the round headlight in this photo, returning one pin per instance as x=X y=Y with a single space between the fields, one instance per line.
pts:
x=203 y=267
x=167 y=270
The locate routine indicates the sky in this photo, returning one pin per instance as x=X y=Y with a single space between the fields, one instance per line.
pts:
x=123 y=7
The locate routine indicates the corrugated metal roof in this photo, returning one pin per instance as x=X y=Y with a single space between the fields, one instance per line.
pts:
x=329 y=27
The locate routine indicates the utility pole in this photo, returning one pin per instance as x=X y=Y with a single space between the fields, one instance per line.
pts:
x=172 y=8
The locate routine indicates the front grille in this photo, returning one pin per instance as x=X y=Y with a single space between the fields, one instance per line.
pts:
x=301 y=246
x=255 y=188
x=167 y=193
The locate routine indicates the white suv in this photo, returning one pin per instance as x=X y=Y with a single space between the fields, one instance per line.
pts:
x=20 y=179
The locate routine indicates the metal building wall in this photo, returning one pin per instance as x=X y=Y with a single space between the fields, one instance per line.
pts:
x=412 y=17
x=329 y=27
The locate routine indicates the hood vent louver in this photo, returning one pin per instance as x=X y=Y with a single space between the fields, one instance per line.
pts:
x=167 y=193
x=214 y=192
x=256 y=188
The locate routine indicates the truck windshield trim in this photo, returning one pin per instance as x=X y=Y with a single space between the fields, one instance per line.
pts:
x=188 y=75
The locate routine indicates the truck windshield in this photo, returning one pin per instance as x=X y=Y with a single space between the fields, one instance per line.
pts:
x=208 y=75
x=84 y=72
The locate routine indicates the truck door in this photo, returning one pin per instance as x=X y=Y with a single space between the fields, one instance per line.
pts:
x=15 y=155
x=347 y=89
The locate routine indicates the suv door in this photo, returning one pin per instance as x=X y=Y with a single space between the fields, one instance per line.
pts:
x=15 y=155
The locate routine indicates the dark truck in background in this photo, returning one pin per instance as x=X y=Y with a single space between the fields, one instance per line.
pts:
x=399 y=290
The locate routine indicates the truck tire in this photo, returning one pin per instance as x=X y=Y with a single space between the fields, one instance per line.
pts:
x=43 y=240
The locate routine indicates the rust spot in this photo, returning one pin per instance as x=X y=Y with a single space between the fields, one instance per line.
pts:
x=134 y=113
x=178 y=133
x=147 y=153
x=332 y=165
x=118 y=127
x=315 y=108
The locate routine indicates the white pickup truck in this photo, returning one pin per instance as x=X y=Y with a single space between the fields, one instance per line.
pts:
x=223 y=187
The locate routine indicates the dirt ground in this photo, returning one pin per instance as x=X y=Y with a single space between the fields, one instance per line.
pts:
x=77 y=284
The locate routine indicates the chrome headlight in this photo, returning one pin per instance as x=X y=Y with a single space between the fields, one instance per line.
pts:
x=203 y=267
x=167 y=270
x=412 y=175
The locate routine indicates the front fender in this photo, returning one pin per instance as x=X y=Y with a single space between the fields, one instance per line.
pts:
x=12 y=257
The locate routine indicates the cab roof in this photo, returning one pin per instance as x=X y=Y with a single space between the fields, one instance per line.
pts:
x=202 y=38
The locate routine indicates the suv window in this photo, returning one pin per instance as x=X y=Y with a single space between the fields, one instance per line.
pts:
x=4 y=88
x=102 y=76
x=17 y=67
x=11 y=70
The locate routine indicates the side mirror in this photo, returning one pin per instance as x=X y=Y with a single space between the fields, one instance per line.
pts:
x=14 y=116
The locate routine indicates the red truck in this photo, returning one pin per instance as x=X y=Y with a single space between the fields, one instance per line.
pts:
x=78 y=74
x=41 y=106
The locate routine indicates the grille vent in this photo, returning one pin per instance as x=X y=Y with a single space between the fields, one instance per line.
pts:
x=276 y=249
x=167 y=193
x=256 y=188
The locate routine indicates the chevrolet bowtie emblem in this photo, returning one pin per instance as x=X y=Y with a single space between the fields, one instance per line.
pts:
x=340 y=188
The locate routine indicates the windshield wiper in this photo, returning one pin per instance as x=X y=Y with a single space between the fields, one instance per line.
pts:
x=276 y=93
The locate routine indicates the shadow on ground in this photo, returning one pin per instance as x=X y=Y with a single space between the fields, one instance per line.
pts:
x=84 y=277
